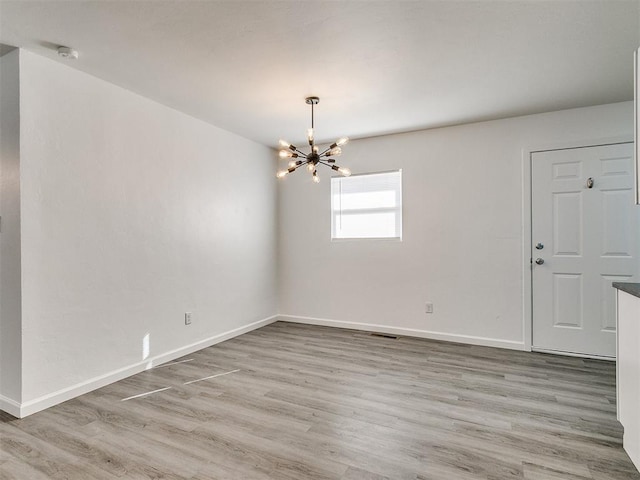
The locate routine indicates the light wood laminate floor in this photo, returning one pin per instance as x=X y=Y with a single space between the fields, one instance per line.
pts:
x=304 y=402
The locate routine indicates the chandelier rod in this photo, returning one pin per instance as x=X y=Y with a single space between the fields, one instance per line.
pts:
x=325 y=151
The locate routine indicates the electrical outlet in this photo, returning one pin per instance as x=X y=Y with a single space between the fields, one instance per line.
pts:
x=428 y=307
x=187 y=318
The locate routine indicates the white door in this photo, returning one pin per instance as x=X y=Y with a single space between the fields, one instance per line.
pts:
x=584 y=237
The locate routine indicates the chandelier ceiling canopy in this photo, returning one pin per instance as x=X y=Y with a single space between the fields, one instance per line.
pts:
x=314 y=158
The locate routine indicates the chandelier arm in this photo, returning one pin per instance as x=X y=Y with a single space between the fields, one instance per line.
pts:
x=302 y=164
x=301 y=153
x=324 y=163
x=321 y=154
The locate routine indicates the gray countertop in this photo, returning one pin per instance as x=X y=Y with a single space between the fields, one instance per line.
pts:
x=630 y=288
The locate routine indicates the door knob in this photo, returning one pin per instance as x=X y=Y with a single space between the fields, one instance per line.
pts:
x=539 y=246
x=539 y=261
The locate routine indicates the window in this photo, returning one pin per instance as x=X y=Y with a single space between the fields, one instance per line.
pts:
x=367 y=206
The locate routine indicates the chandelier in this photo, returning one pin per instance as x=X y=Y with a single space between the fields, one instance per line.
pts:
x=312 y=159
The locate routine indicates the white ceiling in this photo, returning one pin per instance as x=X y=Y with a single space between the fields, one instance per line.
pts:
x=378 y=67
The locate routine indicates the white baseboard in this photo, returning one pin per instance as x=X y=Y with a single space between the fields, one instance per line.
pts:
x=24 y=409
x=572 y=354
x=21 y=410
x=407 y=332
x=10 y=406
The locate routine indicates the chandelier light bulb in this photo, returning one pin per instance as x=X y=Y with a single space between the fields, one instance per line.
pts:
x=310 y=134
x=285 y=144
x=292 y=163
x=285 y=154
x=281 y=173
x=335 y=151
x=342 y=141
x=344 y=171
x=311 y=167
x=316 y=178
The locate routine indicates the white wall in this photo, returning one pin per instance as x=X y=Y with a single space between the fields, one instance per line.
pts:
x=132 y=215
x=462 y=246
x=10 y=335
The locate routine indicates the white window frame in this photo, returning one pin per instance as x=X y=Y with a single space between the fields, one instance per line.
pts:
x=335 y=213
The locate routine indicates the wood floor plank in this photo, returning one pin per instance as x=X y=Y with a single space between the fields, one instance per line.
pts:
x=309 y=402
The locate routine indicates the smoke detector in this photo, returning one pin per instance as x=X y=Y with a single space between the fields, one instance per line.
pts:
x=69 y=53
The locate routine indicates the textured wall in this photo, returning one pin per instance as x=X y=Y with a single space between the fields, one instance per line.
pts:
x=132 y=215
x=462 y=245
x=10 y=305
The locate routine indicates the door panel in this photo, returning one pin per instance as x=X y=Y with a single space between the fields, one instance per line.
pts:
x=608 y=313
x=567 y=300
x=567 y=223
x=582 y=216
x=616 y=234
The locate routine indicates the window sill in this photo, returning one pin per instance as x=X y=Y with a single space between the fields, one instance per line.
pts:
x=367 y=239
